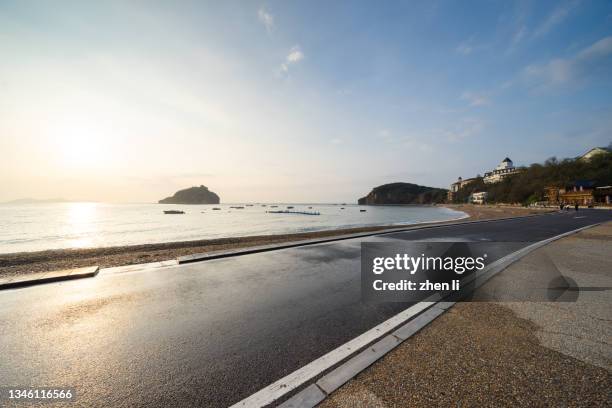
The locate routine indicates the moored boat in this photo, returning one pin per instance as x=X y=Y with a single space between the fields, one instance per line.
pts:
x=174 y=212
x=294 y=212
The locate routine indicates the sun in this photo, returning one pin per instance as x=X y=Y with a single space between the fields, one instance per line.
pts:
x=78 y=145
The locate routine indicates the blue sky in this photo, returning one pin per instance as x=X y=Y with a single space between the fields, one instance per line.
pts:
x=293 y=101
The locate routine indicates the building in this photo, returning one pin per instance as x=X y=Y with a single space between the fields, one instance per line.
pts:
x=478 y=198
x=594 y=152
x=456 y=186
x=504 y=169
x=602 y=195
x=551 y=195
x=581 y=192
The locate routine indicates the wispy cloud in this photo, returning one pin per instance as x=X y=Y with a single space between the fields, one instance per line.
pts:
x=519 y=35
x=385 y=135
x=463 y=129
x=266 y=19
x=295 y=55
x=558 y=15
x=465 y=48
x=582 y=66
x=414 y=143
x=601 y=48
x=475 y=99
x=405 y=140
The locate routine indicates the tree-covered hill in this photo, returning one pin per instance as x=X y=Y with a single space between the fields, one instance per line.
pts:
x=404 y=193
x=528 y=186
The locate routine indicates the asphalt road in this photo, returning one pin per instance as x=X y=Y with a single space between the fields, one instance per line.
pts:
x=210 y=333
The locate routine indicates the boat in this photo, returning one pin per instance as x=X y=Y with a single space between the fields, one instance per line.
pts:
x=174 y=212
x=342 y=208
x=290 y=207
x=294 y=212
x=216 y=208
x=274 y=206
x=238 y=207
x=362 y=210
x=249 y=205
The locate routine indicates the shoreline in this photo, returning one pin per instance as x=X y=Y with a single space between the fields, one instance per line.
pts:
x=19 y=263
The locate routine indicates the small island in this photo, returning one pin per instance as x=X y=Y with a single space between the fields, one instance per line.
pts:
x=403 y=193
x=192 y=195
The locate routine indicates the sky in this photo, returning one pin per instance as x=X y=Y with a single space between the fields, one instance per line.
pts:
x=292 y=101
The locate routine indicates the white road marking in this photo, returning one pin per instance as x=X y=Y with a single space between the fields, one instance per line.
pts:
x=281 y=387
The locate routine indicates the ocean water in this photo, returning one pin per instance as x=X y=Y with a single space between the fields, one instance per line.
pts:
x=35 y=227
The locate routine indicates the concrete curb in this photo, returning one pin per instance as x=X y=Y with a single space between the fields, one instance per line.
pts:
x=272 y=247
x=48 y=277
x=318 y=391
x=136 y=267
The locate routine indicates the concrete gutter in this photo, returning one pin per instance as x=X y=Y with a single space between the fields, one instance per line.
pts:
x=48 y=277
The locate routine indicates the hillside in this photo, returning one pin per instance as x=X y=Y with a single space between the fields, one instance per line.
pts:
x=528 y=186
x=192 y=195
x=404 y=193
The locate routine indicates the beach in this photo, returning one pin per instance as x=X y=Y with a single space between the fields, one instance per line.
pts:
x=40 y=261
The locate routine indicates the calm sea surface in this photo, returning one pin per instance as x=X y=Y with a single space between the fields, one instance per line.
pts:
x=34 y=227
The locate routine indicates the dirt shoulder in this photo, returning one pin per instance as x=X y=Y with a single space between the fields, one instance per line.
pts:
x=507 y=354
x=29 y=262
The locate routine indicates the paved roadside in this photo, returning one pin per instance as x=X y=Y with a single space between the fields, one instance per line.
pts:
x=510 y=353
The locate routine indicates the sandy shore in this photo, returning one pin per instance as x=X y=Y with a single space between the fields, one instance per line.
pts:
x=29 y=262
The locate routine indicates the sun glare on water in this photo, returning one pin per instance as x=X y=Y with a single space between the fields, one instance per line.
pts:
x=81 y=224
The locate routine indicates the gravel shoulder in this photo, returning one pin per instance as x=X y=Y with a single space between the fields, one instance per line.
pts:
x=511 y=353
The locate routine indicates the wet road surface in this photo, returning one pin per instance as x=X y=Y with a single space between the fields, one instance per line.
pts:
x=214 y=332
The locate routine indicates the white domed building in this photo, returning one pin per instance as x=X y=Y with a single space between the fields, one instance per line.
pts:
x=504 y=169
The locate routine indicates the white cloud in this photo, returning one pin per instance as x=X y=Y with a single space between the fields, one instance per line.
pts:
x=414 y=143
x=385 y=136
x=465 y=48
x=598 y=49
x=581 y=66
x=475 y=99
x=555 y=71
x=295 y=55
x=463 y=129
x=519 y=35
x=266 y=19
x=558 y=15
x=410 y=140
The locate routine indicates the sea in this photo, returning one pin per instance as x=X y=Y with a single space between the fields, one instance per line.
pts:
x=43 y=226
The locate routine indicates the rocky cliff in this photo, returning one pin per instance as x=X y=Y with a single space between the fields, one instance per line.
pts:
x=404 y=193
x=193 y=195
